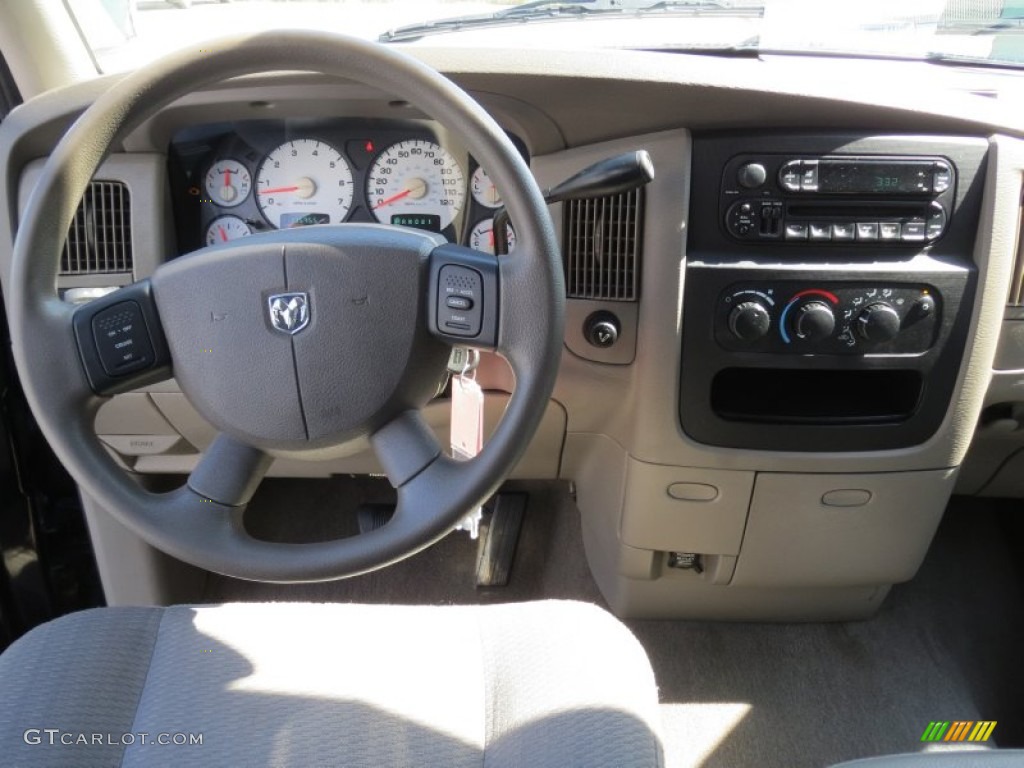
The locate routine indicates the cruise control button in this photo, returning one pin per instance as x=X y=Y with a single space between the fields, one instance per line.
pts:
x=889 y=230
x=842 y=231
x=459 y=302
x=867 y=230
x=913 y=230
x=796 y=231
x=821 y=232
x=122 y=339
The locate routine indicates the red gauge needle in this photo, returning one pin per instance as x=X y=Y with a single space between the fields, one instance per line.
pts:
x=275 y=190
x=227 y=177
x=392 y=199
x=223 y=234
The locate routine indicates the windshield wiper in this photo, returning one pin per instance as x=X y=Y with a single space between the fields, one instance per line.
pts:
x=546 y=10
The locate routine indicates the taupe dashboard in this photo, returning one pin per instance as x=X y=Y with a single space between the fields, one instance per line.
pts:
x=650 y=487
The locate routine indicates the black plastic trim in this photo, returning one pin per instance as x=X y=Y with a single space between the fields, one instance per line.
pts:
x=141 y=293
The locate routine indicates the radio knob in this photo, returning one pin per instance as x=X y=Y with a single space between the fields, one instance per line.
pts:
x=751 y=175
x=878 y=322
x=814 y=321
x=749 y=321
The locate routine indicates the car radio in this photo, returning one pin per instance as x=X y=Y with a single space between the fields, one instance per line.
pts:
x=843 y=199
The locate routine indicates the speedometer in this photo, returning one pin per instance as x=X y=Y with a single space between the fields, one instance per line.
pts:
x=416 y=181
x=304 y=182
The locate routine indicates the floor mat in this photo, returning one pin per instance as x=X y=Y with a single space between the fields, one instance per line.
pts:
x=943 y=647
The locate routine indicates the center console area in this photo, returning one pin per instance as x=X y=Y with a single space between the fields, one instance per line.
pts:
x=834 y=300
x=828 y=290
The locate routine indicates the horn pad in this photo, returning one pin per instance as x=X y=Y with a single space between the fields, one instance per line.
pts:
x=305 y=338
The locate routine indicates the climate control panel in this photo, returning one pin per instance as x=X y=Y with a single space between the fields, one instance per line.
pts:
x=798 y=317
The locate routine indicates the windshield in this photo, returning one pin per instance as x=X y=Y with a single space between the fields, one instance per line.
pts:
x=126 y=33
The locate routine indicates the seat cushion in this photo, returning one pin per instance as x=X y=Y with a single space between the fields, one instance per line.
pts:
x=552 y=683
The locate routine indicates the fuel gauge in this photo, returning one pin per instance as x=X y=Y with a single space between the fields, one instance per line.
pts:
x=225 y=228
x=228 y=183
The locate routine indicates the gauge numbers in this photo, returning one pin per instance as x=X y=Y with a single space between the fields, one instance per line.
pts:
x=228 y=183
x=304 y=182
x=481 y=238
x=225 y=228
x=483 y=189
x=416 y=178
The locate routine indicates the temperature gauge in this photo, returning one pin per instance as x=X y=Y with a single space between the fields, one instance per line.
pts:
x=483 y=189
x=481 y=238
x=228 y=183
x=225 y=228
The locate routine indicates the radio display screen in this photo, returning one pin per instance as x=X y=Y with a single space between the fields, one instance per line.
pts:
x=879 y=178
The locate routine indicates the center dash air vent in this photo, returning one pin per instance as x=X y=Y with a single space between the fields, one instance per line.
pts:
x=100 y=236
x=602 y=244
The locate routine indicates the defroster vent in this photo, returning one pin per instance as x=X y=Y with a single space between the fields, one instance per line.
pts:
x=100 y=237
x=602 y=244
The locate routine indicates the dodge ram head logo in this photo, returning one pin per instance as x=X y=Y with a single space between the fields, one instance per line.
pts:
x=289 y=312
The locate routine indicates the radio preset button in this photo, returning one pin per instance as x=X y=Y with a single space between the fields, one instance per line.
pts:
x=821 y=231
x=796 y=231
x=842 y=231
x=867 y=230
x=913 y=230
x=789 y=176
x=889 y=230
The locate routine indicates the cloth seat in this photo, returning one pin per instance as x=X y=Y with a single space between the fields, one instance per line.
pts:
x=552 y=683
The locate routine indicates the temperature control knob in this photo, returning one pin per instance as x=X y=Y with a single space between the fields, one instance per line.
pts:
x=814 y=321
x=878 y=322
x=749 y=321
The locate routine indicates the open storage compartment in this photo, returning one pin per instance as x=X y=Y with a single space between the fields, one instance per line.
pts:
x=802 y=396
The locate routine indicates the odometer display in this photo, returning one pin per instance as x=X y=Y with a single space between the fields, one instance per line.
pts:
x=425 y=221
x=416 y=178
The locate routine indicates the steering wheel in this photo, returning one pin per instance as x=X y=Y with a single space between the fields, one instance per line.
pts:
x=291 y=343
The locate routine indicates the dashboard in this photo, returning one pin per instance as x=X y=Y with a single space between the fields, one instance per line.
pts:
x=751 y=415
x=230 y=180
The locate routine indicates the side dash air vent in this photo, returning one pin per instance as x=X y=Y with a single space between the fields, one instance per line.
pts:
x=1017 y=283
x=602 y=241
x=100 y=237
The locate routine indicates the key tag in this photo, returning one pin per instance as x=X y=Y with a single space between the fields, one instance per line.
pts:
x=467 y=422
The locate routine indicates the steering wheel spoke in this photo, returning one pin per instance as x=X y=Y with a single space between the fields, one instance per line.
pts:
x=229 y=472
x=121 y=341
x=405 y=447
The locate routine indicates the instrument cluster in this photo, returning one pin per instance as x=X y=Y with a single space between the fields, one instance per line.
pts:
x=231 y=180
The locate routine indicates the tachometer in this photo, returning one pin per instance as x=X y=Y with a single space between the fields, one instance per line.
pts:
x=304 y=182
x=228 y=183
x=416 y=178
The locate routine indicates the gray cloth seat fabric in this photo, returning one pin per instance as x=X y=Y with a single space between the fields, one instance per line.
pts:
x=554 y=683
